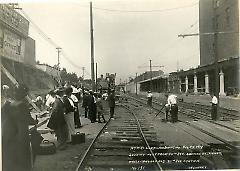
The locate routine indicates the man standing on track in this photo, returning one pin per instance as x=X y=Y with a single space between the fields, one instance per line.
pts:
x=214 y=107
x=172 y=103
x=111 y=102
x=149 y=100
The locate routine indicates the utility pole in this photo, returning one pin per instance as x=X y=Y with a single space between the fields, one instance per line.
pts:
x=136 y=83
x=215 y=53
x=92 y=49
x=83 y=69
x=150 y=74
x=58 y=52
x=96 y=78
x=150 y=66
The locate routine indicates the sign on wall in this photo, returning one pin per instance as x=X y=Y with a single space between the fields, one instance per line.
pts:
x=13 y=46
x=13 y=19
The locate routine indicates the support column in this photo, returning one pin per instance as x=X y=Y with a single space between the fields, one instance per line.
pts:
x=221 y=87
x=180 y=85
x=186 y=84
x=206 y=83
x=195 y=83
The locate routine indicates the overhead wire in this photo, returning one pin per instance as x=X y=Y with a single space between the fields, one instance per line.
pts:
x=49 y=40
x=144 y=11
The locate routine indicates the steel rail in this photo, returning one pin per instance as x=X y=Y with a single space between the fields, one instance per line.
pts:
x=214 y=122
x=206 y=132
x=80 y=164
x=144 y=138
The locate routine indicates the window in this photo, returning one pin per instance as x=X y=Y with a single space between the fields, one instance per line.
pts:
x=216 y=3
x=216 y=22
x=227 y=14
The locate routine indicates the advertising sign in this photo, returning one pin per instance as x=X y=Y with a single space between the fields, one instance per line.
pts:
x=13 y=46
x=11 y=18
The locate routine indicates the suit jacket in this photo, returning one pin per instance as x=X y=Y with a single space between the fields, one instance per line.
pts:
x=68 y=107
x=57 y=117
x=15 y=137
x=111 y=100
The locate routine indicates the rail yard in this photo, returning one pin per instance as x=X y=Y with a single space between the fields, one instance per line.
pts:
x=127 y=86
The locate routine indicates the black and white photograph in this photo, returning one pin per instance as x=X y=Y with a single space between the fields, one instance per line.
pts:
x=120 y=85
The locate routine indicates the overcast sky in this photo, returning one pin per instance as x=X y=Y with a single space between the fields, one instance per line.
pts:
x=127 y=34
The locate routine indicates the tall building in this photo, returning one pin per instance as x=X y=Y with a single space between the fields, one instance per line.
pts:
x=221 y=16
x=219 y=42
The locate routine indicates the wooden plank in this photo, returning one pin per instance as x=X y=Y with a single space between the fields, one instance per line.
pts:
x=14 y=81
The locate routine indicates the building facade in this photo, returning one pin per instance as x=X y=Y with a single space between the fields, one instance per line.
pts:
x=17 y=53
x=13 y=33
x=221 y=17
x=219 y=50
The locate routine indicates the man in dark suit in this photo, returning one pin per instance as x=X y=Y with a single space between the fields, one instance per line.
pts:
x=111 y=102
x=16 y=154
x=57 y=121
x=92 y=107
x=85 y=102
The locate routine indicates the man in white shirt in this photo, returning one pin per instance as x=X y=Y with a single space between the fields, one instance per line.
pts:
x=172 y=104
x=50 y=98
x=214 y=107
x=149 y=100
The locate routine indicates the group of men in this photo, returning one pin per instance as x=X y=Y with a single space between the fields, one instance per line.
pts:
x=64 y=118
x=64 y=104
x=93 y=105
x=172 y=107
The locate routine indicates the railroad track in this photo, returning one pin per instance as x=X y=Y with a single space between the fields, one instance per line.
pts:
x=121 y=143
x=129 y=143
x=198 y=111
x=230 y=150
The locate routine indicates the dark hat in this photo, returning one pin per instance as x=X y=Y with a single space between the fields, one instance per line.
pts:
x=21 y=91
x=59 y=90
x=68 y=90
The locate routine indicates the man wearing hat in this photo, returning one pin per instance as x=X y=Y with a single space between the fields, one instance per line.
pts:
x=57 y=121
x=111 y=102
x=85 y=102
x=92 y=106
x=173 y=107
x=74 y=96
x=69 y=112
x=16 y=118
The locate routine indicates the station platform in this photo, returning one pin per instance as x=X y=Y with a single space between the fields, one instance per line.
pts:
x=67 y=159
x=225 y=101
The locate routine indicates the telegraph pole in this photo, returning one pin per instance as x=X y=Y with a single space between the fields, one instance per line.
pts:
x=96 y=78
x=136 y=83
x=215 y=54
x=150 y=74
x=92 y=49
x=83 y=69
x=58 y=51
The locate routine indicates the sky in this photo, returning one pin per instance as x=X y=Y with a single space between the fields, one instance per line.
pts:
x=127 y=35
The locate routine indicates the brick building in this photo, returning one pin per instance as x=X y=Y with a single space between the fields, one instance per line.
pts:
x=219 y=38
